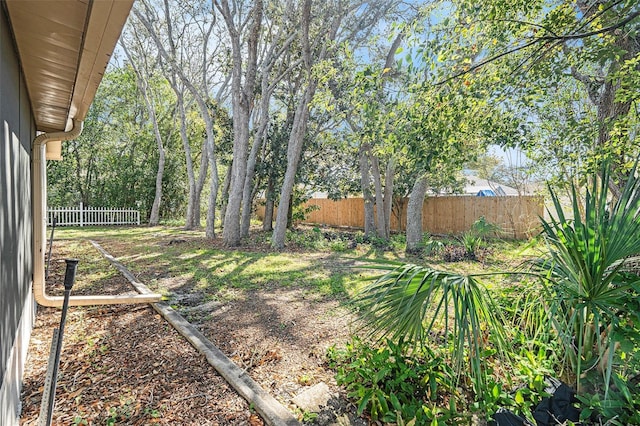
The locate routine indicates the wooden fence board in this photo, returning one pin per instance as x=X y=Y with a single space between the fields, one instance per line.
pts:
x=517 y=216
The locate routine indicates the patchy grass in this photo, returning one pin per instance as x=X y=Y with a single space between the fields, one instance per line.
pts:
x=170 y=259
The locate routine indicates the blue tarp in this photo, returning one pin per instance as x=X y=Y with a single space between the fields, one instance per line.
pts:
x=486 y=193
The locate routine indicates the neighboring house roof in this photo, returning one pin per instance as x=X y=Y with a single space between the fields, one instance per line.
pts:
x=64 y=48
x=476 y=185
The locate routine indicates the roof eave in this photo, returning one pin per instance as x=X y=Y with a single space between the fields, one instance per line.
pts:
x=64 y=49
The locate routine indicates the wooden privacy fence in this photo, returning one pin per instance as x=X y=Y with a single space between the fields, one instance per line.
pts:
x=88 y=216
x=517 y=216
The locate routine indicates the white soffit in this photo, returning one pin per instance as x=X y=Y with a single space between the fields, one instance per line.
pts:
x=64 y=48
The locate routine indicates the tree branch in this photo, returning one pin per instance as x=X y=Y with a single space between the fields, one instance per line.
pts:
x=541 y=39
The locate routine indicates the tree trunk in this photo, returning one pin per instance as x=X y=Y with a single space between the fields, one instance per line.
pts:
x=142 y=83
x=190 y=222
x=201 y=99
x=388 y=195
x=213 y=181
x=365 y=183
x=258 y=141
x=267 y=222
x=225 y=195
x=414 y=215
x=602 y=90
x=154 y=218
x=294 y=152
x=247 y=199
x=202 y=178
x=231 y=231
x=242 y=104
x=381 y=220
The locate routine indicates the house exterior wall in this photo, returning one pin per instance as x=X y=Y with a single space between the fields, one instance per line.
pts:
x=17 y=131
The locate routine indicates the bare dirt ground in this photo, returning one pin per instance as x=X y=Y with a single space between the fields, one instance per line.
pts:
x=126 y=365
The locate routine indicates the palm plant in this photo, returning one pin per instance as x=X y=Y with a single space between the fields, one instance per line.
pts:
x=589 y=294
x=588 y=298
x=482 y=228
x=474 y=238
x=413 y=303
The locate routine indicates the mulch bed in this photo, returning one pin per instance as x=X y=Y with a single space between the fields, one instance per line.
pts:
x=126 y=365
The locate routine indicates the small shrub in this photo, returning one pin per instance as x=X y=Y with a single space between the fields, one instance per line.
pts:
x=484 y=229
x=310 y=240
x=359 y=237
x=471 y=244
x=378 y=242
x=339 y=245
x=431 y=247
x=621 y=407
x=398 y=242
x=473 y=240
x=393 y=385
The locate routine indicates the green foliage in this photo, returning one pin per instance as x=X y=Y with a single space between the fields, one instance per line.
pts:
x=430 y=246
x=338 y=245
x=620 y=408
x=474 y=238
x=411 y=301
x=113 y=163
x=309 y=417
x=395 y=385
x=311 y=240
x=584 y=308
x=122 y=412
x=577 y=93
x=483 y=229
x=299 y=210
x=471 y=244
x=590 y=298
x=78 y=420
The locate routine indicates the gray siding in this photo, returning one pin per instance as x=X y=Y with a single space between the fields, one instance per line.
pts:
x=16 y=133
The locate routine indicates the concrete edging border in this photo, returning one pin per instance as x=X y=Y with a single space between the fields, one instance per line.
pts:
x=272 y=411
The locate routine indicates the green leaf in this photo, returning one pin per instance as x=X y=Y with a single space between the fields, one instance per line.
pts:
x=364 y=401
x=495 y=391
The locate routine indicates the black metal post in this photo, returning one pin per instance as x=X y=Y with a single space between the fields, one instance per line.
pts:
x=69 y=278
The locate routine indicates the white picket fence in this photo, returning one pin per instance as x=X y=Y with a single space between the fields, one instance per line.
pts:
x=88 y=216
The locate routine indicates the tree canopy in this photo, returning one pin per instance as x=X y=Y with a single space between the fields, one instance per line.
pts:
x=276 y=100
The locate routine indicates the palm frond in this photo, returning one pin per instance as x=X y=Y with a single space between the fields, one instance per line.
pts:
x=416 y=303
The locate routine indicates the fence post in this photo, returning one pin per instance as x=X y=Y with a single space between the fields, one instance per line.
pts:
x=81 y=214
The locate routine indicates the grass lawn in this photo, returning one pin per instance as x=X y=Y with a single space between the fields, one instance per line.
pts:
x=196 y=264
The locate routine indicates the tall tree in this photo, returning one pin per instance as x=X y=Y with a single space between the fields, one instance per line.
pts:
x=114 y=162
x=143 y=72
x=540 y=49
x=273 y=68
x=243 y=83
x=199 y=85
x=323 y=26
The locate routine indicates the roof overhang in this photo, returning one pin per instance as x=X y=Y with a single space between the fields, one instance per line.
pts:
x=64 y=48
